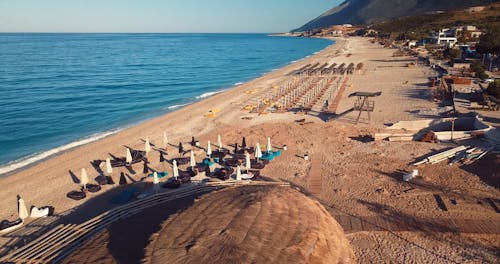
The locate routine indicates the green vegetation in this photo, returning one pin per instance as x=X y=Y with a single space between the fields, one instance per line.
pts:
x=359 y=12
x=452 y=53
x=421 y=26
x=479 y=69
x=494 y=89
x=490 y=41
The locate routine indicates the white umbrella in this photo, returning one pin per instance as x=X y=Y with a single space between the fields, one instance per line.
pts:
x=268 y=146
x=248 y=163
x=23 y=212
x=258 y=152
x=238 y=173
x=209 y=149
x=147 y=146
x=84 y=178
x=192 y=160
x=219 y=142
x=165 y=140
x=128 y=157
x=109 y=169
x=175 y=169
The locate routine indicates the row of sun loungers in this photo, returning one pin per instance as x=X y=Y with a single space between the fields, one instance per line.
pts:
x=326 y=69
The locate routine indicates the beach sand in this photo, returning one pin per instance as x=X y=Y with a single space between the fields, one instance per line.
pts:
x=350 y=177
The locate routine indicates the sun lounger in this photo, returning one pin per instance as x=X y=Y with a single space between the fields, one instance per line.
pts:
x=103 y=180
x=193 y=171
x=270 y=155
x=76 y=195
x=181 y=161
x=137 y=156
x=232 y=162
x=38 y=213
x=223 y=173
x=172 y=184
x=257 y=165
x=9 y=226
x=185 y=178
x=93 y=188
x=246 y=176
x=208 y=162
x=161 y=175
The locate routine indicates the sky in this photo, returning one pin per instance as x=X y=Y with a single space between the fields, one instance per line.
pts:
x=216 y=16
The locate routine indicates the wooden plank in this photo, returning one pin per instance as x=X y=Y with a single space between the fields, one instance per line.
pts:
x=345 y=222
x=35 y=245
x=356 y=224
x=56 y=240
x=369 y=224
x=46 y=245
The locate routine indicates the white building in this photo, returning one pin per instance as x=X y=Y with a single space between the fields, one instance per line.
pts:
x=446 y=37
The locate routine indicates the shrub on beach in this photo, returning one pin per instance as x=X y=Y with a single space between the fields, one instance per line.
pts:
x=494 y=89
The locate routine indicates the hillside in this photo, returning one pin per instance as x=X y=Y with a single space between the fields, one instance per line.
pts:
x=368 y=11
x=420 y=26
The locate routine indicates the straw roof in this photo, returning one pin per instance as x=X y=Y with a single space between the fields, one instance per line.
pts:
x=251 y=225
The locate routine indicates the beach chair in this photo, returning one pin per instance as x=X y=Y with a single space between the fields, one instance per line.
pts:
x=9 y=226
x=172 y=184
x=38 y=213
x=76 y=195
x=160 y=175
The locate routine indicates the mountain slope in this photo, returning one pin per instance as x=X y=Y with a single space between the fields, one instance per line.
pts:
x=367 y=11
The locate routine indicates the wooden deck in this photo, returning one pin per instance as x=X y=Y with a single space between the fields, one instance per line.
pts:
x=352 y=224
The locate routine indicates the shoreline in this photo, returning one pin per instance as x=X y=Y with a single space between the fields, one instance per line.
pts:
x=46 y=182
x=16 y=166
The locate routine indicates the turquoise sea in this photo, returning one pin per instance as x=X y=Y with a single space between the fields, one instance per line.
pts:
x=58 y=91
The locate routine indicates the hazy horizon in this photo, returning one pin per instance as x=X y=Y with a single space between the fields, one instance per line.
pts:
x=127 y=16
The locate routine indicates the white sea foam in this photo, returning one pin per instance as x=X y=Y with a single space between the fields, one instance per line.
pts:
x=238 y=83
x=176 y=106
x=22 y=162
x=294 y=61
x=205 y=95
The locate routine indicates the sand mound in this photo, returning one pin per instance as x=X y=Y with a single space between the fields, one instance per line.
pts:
x=251 y=225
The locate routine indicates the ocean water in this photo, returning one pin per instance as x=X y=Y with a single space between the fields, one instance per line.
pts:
x=58 y=91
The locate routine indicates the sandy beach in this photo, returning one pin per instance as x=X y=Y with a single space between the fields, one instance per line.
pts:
x=351 y=178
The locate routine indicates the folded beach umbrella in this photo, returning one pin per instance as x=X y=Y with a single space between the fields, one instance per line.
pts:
x=269 y=148
x=22 y=211
x=238 y=173
x=155 y=178
x=244 y=143
x=175 y=169
x=209 y=149
x=109 y=169
x=128 y=157
x=248 y=163
x=258 y=152
x=162 y=160
x=84 y=178
x=165 y=140
x=147 y=146
x=156 y=181
x=192 y=160
x=219 y=142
